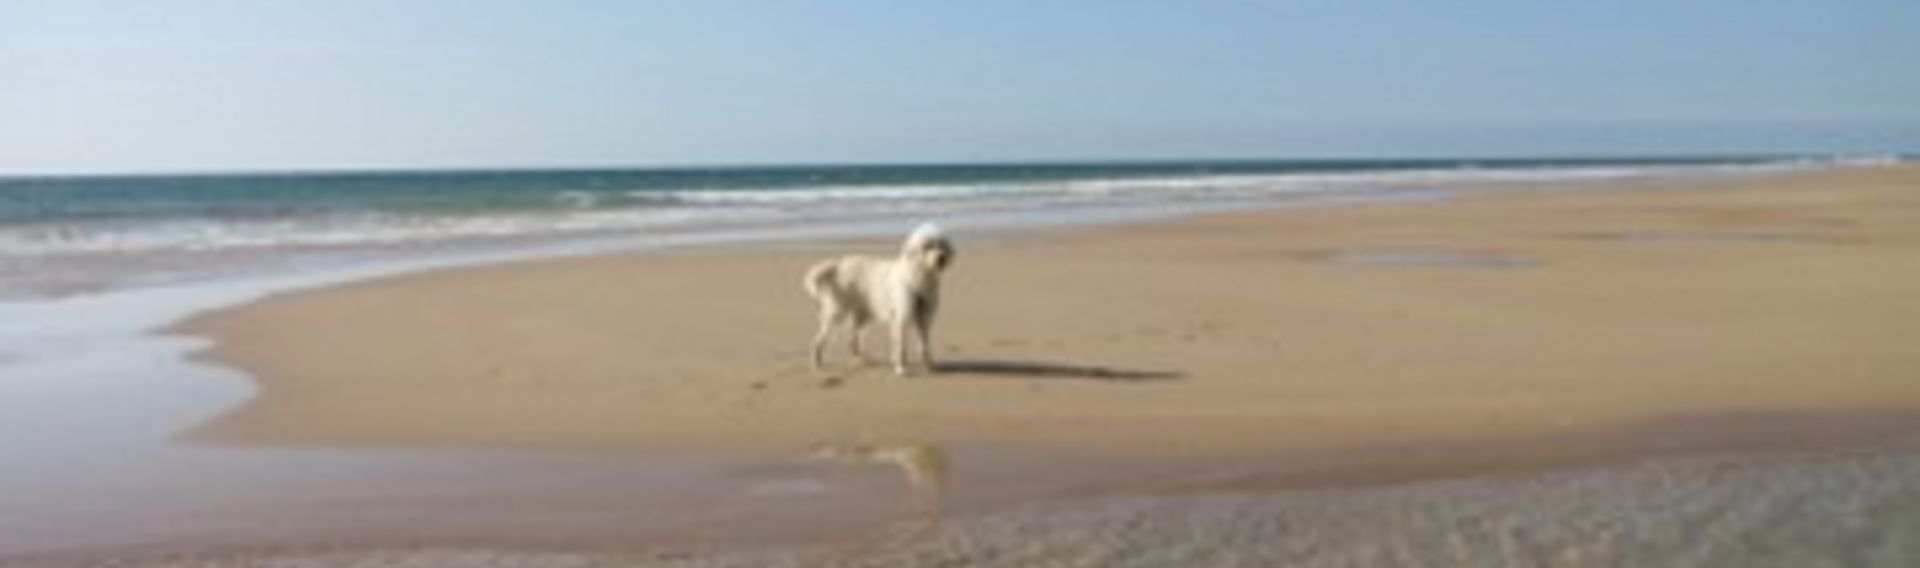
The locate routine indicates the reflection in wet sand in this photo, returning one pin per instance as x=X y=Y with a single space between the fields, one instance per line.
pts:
x=924 y=465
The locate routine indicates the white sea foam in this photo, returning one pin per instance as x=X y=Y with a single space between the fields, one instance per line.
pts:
x=581 y=212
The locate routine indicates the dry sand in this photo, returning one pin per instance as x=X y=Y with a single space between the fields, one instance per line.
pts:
x=1508 y=317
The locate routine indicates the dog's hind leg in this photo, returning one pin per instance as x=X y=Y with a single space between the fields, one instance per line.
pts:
x=857 y=326
x=829 y=317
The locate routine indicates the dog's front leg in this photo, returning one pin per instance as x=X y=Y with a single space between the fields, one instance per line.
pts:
x=923 y=331
x=900 y=326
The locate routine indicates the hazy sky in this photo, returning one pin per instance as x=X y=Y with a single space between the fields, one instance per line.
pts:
x=183 y=85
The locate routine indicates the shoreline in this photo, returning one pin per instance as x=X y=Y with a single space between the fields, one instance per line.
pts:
x=1457 y=257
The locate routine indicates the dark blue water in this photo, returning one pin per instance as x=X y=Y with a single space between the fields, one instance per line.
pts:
x=56 y=199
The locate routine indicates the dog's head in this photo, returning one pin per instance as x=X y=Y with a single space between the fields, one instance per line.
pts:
x=929 y=248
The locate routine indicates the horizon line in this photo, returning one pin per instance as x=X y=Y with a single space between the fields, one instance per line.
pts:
x=1517 y=158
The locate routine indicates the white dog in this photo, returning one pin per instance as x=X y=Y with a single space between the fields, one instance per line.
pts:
x=901 y=292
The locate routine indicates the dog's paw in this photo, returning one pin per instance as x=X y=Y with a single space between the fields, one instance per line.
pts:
x=916 y=370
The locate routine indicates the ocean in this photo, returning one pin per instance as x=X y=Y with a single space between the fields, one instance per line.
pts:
x=80 y=234
x=93 y=268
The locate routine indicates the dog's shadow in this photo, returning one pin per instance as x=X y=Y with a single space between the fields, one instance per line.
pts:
x=1043 y=370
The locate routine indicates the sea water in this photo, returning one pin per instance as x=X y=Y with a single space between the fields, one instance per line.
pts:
x=62 y=235
x=92 y=267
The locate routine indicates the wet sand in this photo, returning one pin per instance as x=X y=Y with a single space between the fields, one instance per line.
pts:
x=1801 y=509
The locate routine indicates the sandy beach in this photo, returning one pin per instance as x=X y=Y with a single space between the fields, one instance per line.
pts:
x=1684 y=369
x=1716 y=306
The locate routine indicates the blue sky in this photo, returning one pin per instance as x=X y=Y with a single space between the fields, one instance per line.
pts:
x=168 y=86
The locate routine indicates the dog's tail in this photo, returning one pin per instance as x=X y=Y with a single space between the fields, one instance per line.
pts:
x=818 y=278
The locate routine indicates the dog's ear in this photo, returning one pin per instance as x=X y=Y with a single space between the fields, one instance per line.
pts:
x=939 y=255
x=929 y=246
